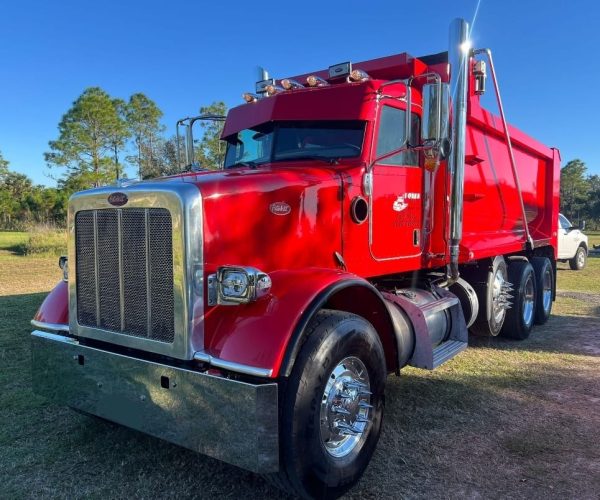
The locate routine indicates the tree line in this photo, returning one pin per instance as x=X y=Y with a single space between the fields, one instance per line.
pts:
x=580 y=194
x=100 y=137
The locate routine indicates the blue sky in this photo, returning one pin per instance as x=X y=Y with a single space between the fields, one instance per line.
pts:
x=187 y=54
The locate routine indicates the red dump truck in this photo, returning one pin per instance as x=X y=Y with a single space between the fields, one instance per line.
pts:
x=367 y=217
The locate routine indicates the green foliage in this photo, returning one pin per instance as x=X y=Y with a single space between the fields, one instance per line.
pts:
x=580 y=195
x=210 y=152
x=3 y=167
x=574 y=187
x=143 y=116
x=22 y=203
x=90 y=132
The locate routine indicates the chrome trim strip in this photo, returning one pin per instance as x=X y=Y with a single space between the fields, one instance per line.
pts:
x=184 y=202
x=96 y=272
x=56 y=338
x=232 y=366
x=121 y=277
x=148 y=275
x=55 y=327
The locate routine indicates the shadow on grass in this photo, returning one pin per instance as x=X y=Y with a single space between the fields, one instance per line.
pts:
x=566 y=334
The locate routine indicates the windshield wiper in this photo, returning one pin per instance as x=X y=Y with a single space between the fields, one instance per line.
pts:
x=327 y=159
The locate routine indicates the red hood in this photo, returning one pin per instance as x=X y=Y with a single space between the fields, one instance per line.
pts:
x=270 y=218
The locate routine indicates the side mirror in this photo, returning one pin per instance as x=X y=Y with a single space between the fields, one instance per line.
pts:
x=436 y=105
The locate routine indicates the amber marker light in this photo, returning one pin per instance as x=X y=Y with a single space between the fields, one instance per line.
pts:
x=315 y=81
x=273 y=89
x=248 y=97
x=289 y=84
x=358 y=75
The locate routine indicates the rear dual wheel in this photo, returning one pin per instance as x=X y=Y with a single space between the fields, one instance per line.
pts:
x=520 y=317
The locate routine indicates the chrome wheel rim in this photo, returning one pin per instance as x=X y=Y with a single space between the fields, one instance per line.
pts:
x=499 y=300
x=580 y=258
x=345 y=407
x=528 y=300
x=547 y=290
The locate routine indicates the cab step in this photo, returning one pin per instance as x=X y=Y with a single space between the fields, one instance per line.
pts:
x=447 y=350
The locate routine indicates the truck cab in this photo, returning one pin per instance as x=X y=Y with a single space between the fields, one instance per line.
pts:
x=572 y=244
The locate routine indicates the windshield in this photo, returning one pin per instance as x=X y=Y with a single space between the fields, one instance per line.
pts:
x=285 y=141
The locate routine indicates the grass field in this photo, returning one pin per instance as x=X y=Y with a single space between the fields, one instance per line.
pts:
x=504 y=419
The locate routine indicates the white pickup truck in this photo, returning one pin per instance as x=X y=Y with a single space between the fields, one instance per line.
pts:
x=572 y=244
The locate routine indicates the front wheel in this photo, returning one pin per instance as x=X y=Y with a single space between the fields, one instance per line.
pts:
x=332 y=407
x=577 y=263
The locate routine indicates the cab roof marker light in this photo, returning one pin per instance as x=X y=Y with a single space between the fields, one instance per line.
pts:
x=289 y=84
x=358 y=75
x=316 y=81
x=248 y=97
x=273 y=89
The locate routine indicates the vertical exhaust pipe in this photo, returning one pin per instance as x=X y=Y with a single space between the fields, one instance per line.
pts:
x=458 y=59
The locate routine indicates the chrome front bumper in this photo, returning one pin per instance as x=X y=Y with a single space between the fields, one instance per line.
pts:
x=232 y=421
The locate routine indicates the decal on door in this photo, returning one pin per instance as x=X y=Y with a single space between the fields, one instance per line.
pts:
x=402 y=201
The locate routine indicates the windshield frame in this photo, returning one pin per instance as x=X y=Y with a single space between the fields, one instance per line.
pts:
x=274 y=156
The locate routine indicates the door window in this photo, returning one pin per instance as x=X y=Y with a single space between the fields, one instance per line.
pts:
x=392 y=135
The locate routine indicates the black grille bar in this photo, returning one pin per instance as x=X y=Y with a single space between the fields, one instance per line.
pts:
x=124 y=271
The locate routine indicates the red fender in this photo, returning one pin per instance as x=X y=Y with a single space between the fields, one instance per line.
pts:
x=268 y=333
x=55 y=308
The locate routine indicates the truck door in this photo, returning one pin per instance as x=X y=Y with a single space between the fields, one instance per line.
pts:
x=396 y=204
x=567 y=239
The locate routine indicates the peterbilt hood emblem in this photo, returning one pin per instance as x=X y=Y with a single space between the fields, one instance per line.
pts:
x=280 y=208
x=118 y=199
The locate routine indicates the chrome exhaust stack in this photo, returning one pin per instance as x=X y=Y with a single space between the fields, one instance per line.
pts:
x=458 y=59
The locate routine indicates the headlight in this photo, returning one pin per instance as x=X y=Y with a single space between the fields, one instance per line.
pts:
x=63 y=263
x=233 y=285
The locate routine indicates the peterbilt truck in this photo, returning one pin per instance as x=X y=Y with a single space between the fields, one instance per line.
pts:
x=367 y=217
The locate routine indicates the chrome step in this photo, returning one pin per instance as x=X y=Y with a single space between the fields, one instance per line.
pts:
x=447 y=350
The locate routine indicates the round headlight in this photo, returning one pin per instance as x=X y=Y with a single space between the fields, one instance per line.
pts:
x=234 y=283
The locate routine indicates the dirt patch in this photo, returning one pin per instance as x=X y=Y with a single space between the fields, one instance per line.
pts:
x=593 y=298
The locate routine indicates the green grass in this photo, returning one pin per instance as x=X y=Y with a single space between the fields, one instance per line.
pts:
x=10 y=240
x=588 y=279
x=504 y=419
x=594 y=237
x=43 y=241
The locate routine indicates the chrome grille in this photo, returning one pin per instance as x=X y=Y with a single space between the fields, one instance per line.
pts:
x=124 y=271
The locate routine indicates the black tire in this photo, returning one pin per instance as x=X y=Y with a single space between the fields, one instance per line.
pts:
x=520 y=317
x=307 y=468
x=578 y=262
x=487 y=324
x=544 y=280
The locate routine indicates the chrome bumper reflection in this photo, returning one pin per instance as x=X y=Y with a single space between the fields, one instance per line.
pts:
x=232 y=421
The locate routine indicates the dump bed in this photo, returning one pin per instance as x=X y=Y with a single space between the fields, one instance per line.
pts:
x=493 y=217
